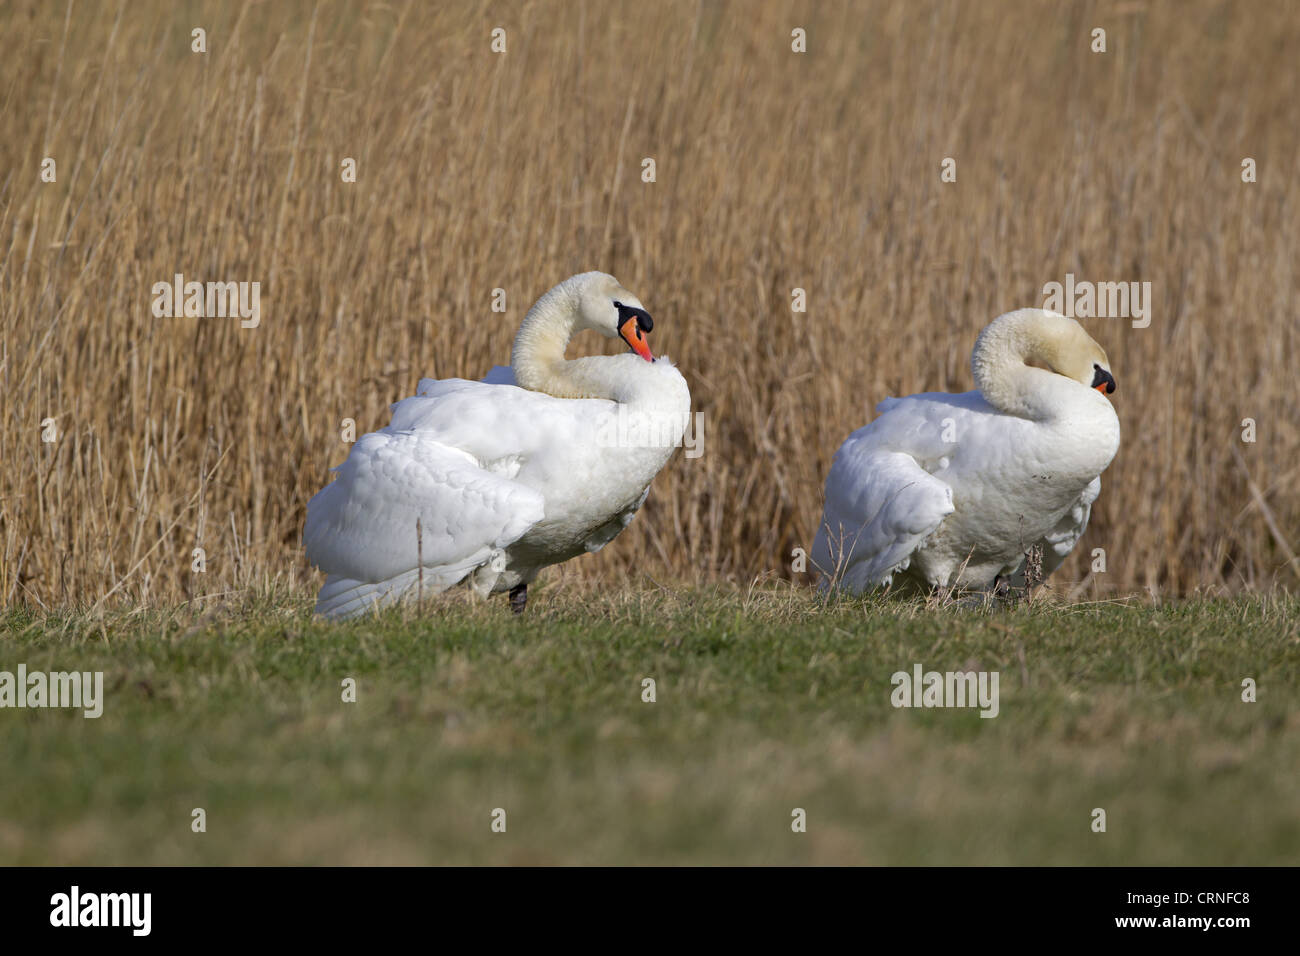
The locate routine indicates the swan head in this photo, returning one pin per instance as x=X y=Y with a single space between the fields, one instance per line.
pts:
x=1038 y=339
x=591 y=300
x=606 y=307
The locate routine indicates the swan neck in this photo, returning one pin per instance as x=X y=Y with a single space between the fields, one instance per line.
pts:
x=537 y=356
x=1012 y=375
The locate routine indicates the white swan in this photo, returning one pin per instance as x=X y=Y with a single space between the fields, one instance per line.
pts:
x=541 y=461
x=952 y=490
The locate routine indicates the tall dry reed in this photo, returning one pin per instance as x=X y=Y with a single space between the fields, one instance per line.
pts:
x=775 y=170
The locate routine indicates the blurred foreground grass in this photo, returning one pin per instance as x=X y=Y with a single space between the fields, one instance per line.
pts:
x=766 y=701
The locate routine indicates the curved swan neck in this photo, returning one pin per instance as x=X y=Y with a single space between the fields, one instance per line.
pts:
x=1011 y=364
x=537 y=355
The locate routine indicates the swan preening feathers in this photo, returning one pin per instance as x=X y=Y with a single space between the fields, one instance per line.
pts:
x=488 y=482
x=953 y=490
x=485 y=483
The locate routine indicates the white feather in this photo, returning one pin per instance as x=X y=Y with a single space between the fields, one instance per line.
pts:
x=502 y=481
x=949 y=490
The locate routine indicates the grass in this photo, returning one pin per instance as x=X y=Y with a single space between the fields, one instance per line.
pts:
x=766 y=701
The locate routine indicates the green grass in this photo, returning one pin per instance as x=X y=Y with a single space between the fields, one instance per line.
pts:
x=766 y=701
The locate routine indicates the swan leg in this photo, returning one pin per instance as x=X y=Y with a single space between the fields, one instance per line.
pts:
x=518 y=598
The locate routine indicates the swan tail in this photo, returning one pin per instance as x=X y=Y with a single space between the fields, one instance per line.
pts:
x=342 y=597
x=881 y=508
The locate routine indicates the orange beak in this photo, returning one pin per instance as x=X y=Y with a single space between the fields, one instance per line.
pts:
x=630 y=332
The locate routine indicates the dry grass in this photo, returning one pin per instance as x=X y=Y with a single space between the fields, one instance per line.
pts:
x=775 y=170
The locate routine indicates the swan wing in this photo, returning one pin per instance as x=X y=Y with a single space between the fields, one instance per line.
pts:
x=361 y=528
x=501 y=423
x=881 y=506
x=887 y=491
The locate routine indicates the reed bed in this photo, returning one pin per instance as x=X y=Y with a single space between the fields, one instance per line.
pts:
x=775 y=170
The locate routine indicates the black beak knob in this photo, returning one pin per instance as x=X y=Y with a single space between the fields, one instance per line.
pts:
x=1103 y=377
x=643 y=320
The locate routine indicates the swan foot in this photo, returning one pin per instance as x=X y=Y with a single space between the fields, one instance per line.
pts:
x=519 y=598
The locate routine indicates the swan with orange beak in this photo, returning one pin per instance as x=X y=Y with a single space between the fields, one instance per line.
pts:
x=486 y=483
